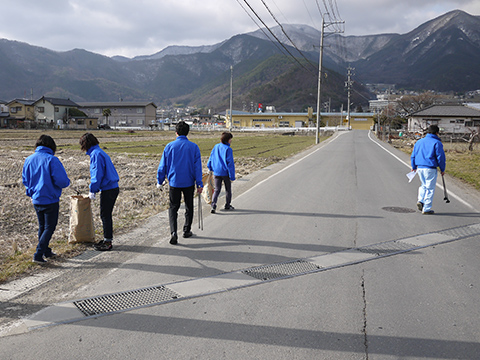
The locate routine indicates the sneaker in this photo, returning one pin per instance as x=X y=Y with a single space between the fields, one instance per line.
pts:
x=187 y=234
x=420 y=205
x=429 y=212
x=39 y=260
x=100 y=243
x=52 y=255
x=212 y=211
x=173 y=239
x=103 y=246
x=229 y=207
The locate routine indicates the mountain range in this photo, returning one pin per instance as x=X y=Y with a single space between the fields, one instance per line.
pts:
x=441 y=55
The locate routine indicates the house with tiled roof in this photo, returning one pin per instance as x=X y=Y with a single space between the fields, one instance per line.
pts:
x=452 y=119
x=4 y=114
x=21 y=109
x=52 y=110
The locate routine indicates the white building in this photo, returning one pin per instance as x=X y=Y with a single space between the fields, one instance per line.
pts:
x=52 y=110
x=454 y=119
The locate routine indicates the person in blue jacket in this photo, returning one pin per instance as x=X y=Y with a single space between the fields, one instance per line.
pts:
x=44 y=178
x=181 y=164
x=104 y=179
x=427 y=156
x=223 y=167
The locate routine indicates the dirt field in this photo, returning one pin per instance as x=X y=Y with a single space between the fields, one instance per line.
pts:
x=139 y=198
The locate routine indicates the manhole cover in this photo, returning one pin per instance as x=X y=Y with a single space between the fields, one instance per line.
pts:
x=396 y=209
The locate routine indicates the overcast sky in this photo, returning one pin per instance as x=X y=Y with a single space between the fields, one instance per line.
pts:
x=144 y=27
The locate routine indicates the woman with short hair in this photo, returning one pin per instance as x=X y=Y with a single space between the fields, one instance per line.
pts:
x=44 y=178
x=104 y=179
x=223 y=167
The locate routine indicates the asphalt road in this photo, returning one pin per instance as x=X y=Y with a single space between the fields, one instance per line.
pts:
x=325 y=257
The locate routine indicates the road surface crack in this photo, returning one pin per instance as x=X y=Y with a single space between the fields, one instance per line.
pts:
x=364 y=330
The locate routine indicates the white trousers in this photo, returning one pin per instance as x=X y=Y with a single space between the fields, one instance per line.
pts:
x=428 y=177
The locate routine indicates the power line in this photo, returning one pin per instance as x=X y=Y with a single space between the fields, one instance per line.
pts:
x=280 y=11
x=262 y=29
x=284 y=32
x=309 y=15
x=276 y=38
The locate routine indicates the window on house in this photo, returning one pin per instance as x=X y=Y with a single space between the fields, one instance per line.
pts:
x=139 y=110
x=56 y=109
x=96 y=111
x=460 y=121
x=468 y=123
x=41 y=109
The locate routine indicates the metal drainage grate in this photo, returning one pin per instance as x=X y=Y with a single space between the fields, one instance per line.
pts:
x=462 y=232
x=125 y=300
x=396 y=209
x=275 y=271
x=390 y=247
x=86 y=255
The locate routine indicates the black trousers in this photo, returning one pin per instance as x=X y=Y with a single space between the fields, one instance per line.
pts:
x=107 y=202
x=175 y=195
x=218 y=187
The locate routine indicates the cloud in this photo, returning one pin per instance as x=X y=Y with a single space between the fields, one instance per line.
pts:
x=142 y=27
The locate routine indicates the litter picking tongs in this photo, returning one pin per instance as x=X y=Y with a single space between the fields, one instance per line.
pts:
x=447 y=200
x=200 y=215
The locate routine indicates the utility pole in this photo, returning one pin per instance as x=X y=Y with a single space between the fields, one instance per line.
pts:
x=348 y=85
x=324 y=25
x=341 y=116
x=231 y=96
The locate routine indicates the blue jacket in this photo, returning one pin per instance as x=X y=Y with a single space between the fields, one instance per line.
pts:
x=428 y=153
x=103 y=175
x=44 y=176
x=181 y=163
x=221 y=161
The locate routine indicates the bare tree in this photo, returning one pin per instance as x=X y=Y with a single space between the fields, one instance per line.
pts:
x=471 y=140
x=412 y=103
